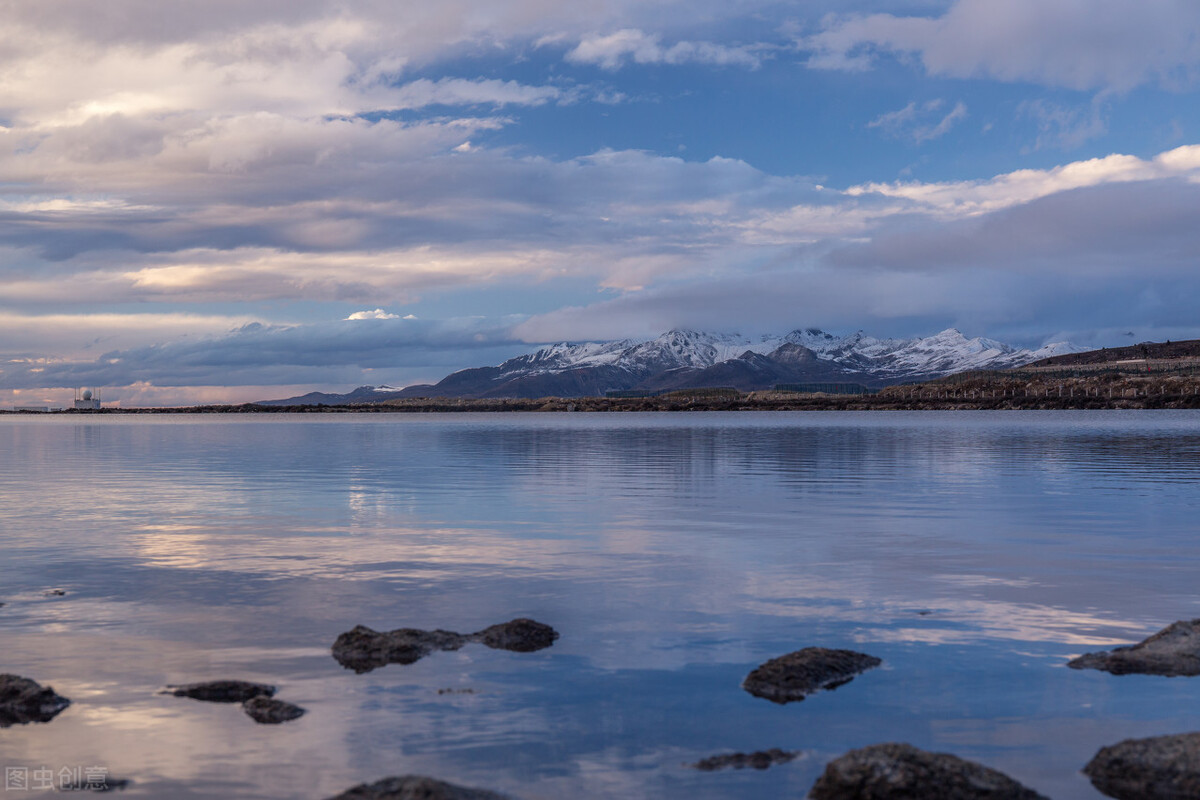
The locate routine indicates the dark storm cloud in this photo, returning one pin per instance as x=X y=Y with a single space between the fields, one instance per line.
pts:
x=1085 y=258
x=1142 y=229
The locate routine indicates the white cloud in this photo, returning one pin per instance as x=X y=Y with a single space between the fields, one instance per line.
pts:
x=1064 y=127
x=957 y=199
x=922 y=123
x=1113 y=45
x=611 y=51
x=459 y=92
x=378 y=313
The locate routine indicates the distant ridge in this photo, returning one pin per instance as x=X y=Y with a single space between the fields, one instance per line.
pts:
x=1146 y=350
x=688 y=359
x=363 y=394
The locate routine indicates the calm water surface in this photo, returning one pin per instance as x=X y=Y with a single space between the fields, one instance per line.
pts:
x=974 y=552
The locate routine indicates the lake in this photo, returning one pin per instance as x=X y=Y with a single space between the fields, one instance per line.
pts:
x=974 y=552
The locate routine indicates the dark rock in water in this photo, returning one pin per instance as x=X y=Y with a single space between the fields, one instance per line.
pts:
x=519 y=635
x=222 y=691
x=758 y=760
x=23 y=700
x=97 y=783
x=1173 y=651
x=799 y=674
x=269 y=711
x=363 y=649
x=415 y=787
x=903 y=772
x=1158 y=768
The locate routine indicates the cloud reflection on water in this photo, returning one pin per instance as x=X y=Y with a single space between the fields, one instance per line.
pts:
x=672 y=553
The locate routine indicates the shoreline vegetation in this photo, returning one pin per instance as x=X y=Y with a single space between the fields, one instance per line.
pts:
x=1148 y=392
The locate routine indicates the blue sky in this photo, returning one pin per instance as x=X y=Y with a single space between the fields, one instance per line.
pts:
x=228 y=201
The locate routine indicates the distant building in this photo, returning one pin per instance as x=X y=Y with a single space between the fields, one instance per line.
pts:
x=86 y=401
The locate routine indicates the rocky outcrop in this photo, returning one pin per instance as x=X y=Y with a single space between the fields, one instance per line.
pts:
x=518 y=635
x=796 y=675
x=760 y=759
x=269 y=711
x=1158 y=768
x=904 y=772
x=222 y=691
x=23 y=700
x=363 y=649
x=1173 y=651
x=415 y=787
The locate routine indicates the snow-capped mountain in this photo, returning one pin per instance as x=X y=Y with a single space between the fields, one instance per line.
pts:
x=899 y=360
x=941 y=354
x=686 y=358
x=681 y=359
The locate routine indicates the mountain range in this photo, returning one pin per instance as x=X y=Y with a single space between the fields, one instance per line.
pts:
x=687 y=359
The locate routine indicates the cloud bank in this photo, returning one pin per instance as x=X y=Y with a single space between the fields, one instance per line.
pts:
x=315 y=192
x=1007 y=251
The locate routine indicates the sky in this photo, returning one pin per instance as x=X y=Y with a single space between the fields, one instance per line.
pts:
x=227 y=201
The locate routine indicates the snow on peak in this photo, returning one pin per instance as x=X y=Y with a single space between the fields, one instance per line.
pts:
x=889 y=359
x=1051 y=349
x=567 y=355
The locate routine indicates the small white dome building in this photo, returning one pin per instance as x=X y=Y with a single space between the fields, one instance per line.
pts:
x=87 y=400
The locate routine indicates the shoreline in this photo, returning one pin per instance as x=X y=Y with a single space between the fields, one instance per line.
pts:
x=996 y=391
x=626 y=405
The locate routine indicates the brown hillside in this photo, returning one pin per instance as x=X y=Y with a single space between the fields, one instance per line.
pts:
x=1152 y=350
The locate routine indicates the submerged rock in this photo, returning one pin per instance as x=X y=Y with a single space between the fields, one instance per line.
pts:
x=363 y=649
x=23 y=700
x=222 y=691
x=95 y=783
x=1158 y=768
x=519 y=635
x=1173 y=651
x=799 y=674
x=903 y=772
x=269 y=711
x=415 y=787
x=760 y=759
